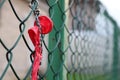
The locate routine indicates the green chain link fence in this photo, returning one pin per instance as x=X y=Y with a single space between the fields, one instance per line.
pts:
x=83 y=45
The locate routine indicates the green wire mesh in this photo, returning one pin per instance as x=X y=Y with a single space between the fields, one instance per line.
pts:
x=83 y=45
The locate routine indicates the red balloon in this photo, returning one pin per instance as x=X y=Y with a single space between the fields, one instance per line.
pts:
x=34 y=35
x=45 y=23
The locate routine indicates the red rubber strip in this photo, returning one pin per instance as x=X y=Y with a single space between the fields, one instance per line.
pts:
x=34 y=35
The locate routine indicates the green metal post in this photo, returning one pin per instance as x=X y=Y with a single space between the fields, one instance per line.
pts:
x=115 y=49
x=56 y=41
x=115 y=54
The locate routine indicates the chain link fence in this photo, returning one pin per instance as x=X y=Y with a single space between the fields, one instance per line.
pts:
x=83 y=45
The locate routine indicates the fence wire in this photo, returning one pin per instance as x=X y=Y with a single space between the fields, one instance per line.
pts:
x=83 y=45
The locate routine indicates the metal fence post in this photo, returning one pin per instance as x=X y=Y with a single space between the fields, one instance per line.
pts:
x=115 y=53
x=56 y=41
x=115 y=49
